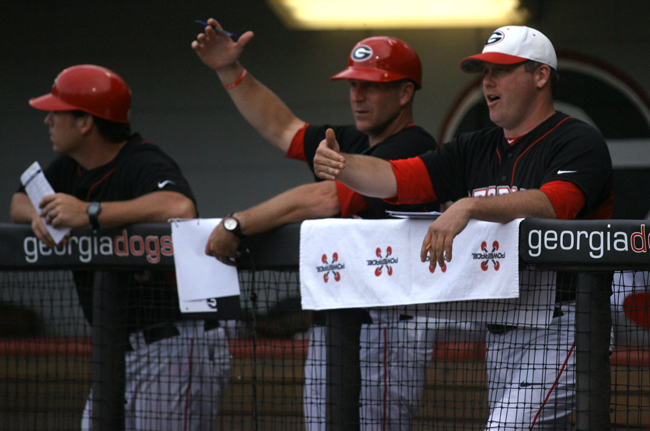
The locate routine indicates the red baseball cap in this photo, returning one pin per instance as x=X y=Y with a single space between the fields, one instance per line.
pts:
x=89 y=88
x=382 y=59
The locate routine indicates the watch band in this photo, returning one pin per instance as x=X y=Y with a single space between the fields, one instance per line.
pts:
x=93 y=210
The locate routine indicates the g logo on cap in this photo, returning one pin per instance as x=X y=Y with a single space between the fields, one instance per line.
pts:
x=497 y=36
x=361 y=53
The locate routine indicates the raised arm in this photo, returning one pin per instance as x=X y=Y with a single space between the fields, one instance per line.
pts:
x=262 y=108
x=367 y=175
x=310 y=201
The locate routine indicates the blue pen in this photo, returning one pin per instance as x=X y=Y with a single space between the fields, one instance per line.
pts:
x=233 y=36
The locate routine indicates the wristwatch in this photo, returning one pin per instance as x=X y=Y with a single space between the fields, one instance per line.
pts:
x=231 y=224
x=93 y=210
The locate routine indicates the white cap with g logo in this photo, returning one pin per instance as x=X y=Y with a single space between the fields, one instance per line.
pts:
x=511 y=45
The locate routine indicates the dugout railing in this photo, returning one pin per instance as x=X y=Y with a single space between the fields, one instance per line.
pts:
x=590 y=249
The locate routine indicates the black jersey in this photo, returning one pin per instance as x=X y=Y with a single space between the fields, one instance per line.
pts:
x=560 y=149
x=139 y=168
x=408 y=142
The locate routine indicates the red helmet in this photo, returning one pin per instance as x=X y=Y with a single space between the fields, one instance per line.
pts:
x=383 y=59
x=92 y=89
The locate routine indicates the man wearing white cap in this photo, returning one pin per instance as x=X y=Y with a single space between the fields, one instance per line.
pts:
x=558 y=166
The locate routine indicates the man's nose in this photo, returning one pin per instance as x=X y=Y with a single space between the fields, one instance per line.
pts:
x=358 y=92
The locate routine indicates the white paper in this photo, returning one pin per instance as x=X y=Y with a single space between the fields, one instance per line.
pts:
x=37 y=187
x=199 y=276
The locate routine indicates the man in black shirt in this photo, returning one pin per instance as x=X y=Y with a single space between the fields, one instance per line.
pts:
x=106 y=176
x=383 y=73
x=536 y=163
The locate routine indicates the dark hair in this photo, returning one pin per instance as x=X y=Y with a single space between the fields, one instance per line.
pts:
x=110 y=130
x=399 y=82
x=530 y=66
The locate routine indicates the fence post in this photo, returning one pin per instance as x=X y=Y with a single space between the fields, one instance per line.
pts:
x=343 y=374
x=109 y=344
x=593 y=329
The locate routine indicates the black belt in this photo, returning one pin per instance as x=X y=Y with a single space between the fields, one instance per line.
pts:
x=499 y=329
x=159 y=333
x=156 y=333
x=502 y=329
x=211 y=324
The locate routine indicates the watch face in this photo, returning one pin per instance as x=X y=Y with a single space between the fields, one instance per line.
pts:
x=93 y=209
x=230 y=224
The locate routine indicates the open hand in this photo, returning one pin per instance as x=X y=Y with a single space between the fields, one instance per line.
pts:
x=217 y=50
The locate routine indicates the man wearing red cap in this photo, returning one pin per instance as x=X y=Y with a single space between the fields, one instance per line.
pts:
x=383 y=73
x=176 y=371
x=536 y=163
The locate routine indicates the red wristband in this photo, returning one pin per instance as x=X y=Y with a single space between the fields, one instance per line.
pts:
x=237 y=81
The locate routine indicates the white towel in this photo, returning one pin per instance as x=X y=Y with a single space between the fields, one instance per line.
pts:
x=347 y=263
x=484 y=264
x=353 y=263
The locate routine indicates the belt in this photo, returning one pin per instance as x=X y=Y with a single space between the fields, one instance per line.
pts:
x=156 y=333
x=502 y=329
x=211 y=324
x=499 y=329
x=318 y=317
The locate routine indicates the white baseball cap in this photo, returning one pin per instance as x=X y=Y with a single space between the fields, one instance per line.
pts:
x=513 y=44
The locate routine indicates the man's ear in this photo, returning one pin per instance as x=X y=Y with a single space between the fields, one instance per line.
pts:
x=407 y=91
x=86 y=123
x=542 y=75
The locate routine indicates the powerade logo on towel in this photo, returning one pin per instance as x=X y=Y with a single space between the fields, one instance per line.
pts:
x=383 y=261
x=333 y=268
x=361 y=53
x=489 y=256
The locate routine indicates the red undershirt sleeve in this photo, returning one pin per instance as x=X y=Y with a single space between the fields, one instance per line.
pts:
x=567 y=199
x=297 y=147
x=350 y=201
x=413 y=182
